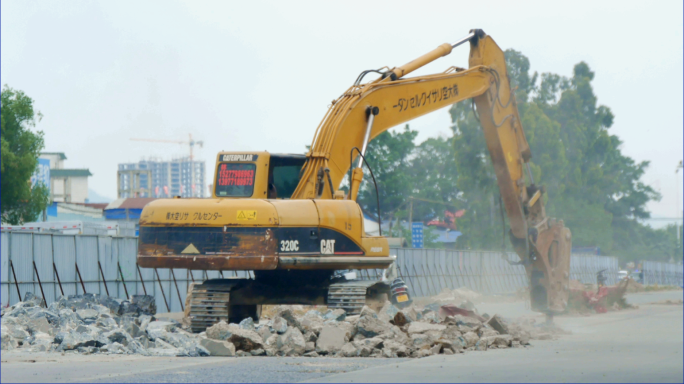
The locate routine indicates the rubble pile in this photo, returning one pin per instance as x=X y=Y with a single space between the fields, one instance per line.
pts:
x=98 y=324
x=389 y=332
x=95 y=324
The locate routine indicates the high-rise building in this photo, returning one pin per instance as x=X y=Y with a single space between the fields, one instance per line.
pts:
x=155 y=178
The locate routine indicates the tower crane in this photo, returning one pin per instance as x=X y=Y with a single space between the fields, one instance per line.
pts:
x=191 y=142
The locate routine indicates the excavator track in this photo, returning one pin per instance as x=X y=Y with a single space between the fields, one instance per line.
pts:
x=353 y=295
x=209 y=305
x=210 y=301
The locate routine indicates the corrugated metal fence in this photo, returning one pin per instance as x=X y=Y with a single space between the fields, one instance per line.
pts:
x=70 y=264
x=657 y=272
x=428 y=271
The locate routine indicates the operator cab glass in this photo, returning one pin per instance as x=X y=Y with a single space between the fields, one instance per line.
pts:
x=283 y=175
x=235 y=179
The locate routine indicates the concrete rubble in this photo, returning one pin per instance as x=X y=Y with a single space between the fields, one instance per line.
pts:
x=98 y=324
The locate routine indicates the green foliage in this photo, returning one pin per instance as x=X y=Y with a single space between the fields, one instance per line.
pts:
x=19 y=159
x=404 y=170
x=389 y=157
x=434 y=176
x=589 y=183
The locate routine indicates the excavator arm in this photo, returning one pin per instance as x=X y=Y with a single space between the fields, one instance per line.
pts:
x=366 y=110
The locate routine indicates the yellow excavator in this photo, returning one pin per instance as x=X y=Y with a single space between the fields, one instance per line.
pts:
x=283 y=216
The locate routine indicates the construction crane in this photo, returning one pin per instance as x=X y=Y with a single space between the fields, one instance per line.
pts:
x=191 y=142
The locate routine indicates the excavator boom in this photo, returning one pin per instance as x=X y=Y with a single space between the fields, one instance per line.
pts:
x=366 y=110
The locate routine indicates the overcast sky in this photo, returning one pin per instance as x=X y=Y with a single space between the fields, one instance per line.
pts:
x=260 y=75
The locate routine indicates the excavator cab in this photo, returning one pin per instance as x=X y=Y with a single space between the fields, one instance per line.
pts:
x=257 y=175
x=283 y=175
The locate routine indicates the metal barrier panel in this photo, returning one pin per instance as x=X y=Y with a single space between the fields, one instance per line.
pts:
x=21 y=258
x=661 y=273
x=163 y=286
x=4 y=268
x=42 y=256
x=86 y=259
x=128 y=250
x=107 y=261
x=148 y=283
x=178 y=291
x=64 y=251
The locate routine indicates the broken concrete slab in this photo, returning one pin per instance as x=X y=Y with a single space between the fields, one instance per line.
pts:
x=488 y=332
x=348 y=350
x=420 y=327
x=218 y=347
x=264 y=332
x=500 y=341
x=294 y=340
x=370 y=326
x=310 y=337
x=371 y=343
x=288 y=315
x=498 y=324
x=330 y=340
x=336 y=314
x=310 y=346
x=146 y=303
x=40 y=325
x=279 y=325
x=471 y=339
x=247 y=324
x=367 y=311
x=87 y=316
x=75 y=340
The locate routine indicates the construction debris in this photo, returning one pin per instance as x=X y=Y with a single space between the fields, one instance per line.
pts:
x=95 y=324
x=90 y=324
x=589 y=298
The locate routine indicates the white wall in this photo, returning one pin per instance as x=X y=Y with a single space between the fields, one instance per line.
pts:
x=77 y=187
x=55 y=161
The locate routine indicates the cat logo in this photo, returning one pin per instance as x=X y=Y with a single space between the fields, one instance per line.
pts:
x=328 y=247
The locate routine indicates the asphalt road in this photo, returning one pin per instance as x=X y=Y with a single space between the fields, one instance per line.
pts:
x=641 y=345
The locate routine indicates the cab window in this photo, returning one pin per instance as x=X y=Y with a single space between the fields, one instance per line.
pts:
x=284 y=175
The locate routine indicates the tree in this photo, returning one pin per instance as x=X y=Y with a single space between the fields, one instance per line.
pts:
x=19 y=158
x=589 y=182
x=434 y=176
x=389 y=158
x=481 y=223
